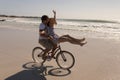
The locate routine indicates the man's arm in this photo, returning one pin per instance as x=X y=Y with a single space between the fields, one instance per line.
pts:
x=43 y=33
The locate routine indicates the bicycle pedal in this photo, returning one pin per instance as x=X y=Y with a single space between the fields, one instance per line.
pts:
x=49 y=58
x=54 y=57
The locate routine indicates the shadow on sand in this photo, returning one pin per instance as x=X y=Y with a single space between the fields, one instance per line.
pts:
x=34 y=71
x=26 y=75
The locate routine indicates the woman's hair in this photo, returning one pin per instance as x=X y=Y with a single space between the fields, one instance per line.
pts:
x=44 y=17
x=52 y=21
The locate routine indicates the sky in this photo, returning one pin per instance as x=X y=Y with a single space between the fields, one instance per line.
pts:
x=71 y=9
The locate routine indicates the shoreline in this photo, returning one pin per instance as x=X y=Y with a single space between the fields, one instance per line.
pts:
x=61 y=31
x=67 y=19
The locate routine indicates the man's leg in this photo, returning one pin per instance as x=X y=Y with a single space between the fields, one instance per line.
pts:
x=54 y=48
x=45 y=53
x=44 y=56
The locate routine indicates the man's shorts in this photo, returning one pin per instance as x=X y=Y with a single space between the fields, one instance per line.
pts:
x=46 y=43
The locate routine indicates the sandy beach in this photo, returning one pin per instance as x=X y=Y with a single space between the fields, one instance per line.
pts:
x=99 y=59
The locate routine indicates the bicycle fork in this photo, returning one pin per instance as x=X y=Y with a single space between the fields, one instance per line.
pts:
x=63 y=57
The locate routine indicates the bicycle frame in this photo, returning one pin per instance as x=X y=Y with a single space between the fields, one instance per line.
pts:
x=58 y=49
x=59 y=55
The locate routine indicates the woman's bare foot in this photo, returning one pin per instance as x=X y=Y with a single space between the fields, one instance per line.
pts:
x=81 y=44
x=65 y=35
x=83 y=39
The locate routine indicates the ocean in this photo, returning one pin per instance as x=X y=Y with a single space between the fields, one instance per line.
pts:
x=103 y=29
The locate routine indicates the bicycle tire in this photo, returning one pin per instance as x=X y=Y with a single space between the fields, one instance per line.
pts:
x=35 y=52
x=64 y=64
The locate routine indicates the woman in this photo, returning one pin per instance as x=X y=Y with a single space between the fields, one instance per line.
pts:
x=65 y=38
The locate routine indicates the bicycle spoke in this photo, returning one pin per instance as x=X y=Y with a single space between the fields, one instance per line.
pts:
x=65 y=60
x=37 y=54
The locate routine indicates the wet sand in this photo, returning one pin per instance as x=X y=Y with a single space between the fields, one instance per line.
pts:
x=98 y=60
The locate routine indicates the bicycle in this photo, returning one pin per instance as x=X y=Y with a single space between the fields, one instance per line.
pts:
x=64 y=59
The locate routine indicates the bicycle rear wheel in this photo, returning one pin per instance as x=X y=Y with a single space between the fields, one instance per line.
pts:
x=37 y=54
x=65 y=60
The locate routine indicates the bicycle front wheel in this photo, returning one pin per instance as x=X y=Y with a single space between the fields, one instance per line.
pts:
x=65 y=60
x=37 y=54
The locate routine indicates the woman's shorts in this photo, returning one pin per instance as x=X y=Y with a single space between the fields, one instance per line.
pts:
x=46 y=43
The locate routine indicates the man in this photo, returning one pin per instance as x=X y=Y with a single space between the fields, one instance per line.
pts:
x=44 y=37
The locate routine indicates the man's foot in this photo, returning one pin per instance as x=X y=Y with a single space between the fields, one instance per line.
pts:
x=49 y=58
x=81 y=44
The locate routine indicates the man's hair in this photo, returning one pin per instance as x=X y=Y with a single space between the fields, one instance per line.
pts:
x=44 y=17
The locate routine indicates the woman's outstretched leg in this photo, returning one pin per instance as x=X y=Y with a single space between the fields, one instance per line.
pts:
x=73 y=41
